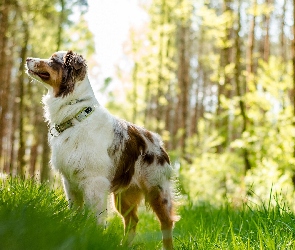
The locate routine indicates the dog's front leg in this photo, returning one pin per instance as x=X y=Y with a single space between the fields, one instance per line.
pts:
x=74 y=196
x=96 y=190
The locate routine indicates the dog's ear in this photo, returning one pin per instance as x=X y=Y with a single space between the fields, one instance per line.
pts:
x=67 y=84
x=73 y=60
x=78 y=62
x=74 y=69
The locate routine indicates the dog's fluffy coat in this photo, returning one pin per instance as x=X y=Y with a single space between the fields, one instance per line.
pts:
x=102 y=153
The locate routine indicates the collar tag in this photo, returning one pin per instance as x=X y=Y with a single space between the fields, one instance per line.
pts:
x=85 y=112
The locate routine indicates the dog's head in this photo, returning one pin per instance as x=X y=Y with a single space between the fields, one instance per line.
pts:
x=60 y=72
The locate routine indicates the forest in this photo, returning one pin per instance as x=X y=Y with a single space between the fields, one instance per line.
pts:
x=215 y=79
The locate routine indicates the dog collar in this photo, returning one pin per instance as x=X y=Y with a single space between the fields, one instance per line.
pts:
x=57 y=129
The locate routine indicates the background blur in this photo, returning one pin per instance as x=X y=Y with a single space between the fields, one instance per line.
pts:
x=214 y=78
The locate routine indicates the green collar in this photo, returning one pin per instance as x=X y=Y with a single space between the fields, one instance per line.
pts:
x=57 y=129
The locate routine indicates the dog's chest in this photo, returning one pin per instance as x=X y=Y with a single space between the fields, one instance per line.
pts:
x=80 y=153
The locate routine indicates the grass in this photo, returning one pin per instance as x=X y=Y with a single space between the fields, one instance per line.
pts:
x=33 y=216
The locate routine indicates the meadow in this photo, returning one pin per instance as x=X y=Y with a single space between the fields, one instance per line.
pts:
x=34 y=216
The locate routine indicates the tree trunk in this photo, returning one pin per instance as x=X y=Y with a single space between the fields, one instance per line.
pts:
x=12 y=167
x=134 y=95
x=21 y=148
x=224 y=84
x=61 y=22
x=44 y=169
x=4 y=10
x=282 y=37
x=160 y=80
x=147 y=99
x=239 y=90
x=293 y=69
x=183 y=81
x=266 y=42
x=200 y=86
x=250 y=47
x=33 y=158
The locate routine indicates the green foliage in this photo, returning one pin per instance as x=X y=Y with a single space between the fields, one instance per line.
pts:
x=213 y=178
x=268 y=139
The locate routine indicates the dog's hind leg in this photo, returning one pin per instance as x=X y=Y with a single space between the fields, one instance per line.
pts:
x=127 y=203
x=159 y=198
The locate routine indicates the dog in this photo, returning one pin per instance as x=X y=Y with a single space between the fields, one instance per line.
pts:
x=98 y=153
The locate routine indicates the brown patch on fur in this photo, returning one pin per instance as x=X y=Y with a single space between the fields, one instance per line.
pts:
x=163 y=157
x=148 y=135
x=148 y=158
x=134 y=146
x=127 y=203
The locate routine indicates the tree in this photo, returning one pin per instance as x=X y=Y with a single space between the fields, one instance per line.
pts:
x=224 y=102
x=293 y=81
x=240 y=88
x=23 y=133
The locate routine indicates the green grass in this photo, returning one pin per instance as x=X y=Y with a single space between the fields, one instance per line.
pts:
x=34 y=217
x=207 y=227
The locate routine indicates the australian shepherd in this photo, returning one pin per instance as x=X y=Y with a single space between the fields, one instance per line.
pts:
x=97 y=153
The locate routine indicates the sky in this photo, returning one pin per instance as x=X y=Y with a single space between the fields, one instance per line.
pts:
x=110 y=21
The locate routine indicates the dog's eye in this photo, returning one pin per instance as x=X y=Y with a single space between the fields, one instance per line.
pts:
x=54 y=64
x=54 y=60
